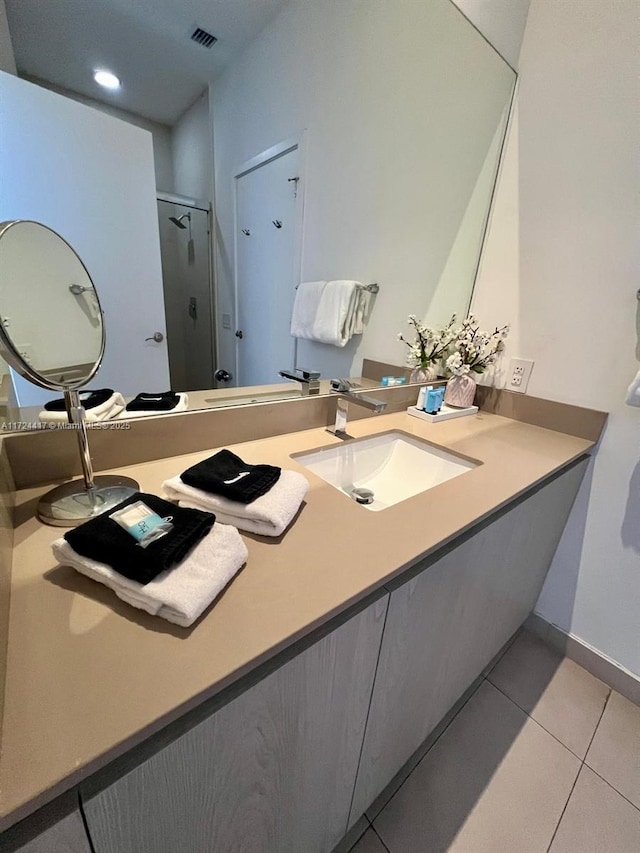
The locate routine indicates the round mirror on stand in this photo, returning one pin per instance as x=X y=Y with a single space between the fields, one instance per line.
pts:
x=59 y=347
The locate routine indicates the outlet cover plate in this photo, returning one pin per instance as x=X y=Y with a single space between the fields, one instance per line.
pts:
x=519 y=375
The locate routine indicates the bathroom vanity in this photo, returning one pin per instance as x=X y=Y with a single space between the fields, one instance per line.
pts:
x=281 y=716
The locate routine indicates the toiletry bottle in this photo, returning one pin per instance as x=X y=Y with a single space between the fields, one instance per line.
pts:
x=440 y=392
x=430 y=406
x=421 y=395
x=426 y=395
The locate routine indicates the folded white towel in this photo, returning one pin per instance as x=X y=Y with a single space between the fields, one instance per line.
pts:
x=305 y=308
x=181 y=406
x=633 y=392
x=111 y=408
x=181 y=594
x=268 y=515
x=336 y=316
x=361 y=312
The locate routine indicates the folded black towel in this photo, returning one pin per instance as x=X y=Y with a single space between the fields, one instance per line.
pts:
x=226 y=474
x=104 y=540
x=162 y=402
x=89 y=399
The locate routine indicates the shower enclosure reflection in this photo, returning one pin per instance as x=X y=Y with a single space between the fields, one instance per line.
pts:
x=186 y=279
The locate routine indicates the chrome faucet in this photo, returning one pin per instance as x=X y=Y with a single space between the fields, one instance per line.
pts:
x=342 y=410
x=308 y=379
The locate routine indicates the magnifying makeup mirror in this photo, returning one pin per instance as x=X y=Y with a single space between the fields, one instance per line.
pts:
x=59 y=347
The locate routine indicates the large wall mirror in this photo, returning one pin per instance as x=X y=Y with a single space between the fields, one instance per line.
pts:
x=313 y=141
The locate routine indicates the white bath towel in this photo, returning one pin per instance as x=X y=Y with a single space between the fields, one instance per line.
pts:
x=305 y=308
x=268 y=515
x=362 y=303
x=181 y=594
x=106 y=411
x=633 y=392
x=340 y=313
x=181 y=406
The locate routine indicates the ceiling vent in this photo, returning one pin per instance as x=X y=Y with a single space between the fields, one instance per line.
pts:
x=200 y=36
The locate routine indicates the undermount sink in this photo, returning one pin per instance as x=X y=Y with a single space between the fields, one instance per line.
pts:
x=391 y=466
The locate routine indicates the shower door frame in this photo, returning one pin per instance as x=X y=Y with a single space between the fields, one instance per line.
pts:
x=205 y=206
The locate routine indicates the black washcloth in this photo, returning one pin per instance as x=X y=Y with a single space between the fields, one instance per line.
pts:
x=89 y=400
x=227 y=475
x=103 y=539
x=165 y=401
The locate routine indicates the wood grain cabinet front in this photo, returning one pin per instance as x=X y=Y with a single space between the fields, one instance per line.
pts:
x=446 y=624
x=67 y=835
x=273 y=771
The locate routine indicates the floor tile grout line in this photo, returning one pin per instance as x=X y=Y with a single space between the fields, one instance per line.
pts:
x=582 y=765
x=564 y=808
x=538 y=723
x=404 y=781
x=595 y=731
x=613 y=787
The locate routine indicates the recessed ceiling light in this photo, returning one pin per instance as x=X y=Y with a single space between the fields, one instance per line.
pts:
x=106 y=79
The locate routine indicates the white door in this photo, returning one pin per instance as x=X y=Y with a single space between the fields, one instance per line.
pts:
x=266 y=222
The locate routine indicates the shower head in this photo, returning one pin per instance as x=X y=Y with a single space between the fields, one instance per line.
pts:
x=178 y=220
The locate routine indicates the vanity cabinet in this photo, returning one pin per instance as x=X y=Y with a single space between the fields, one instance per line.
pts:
x=446 y=624
x=273 y=771
x=66 y=836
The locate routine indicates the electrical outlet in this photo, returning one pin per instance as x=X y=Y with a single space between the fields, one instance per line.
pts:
x=519 y=374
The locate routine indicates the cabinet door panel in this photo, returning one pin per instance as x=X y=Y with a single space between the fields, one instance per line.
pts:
x=446 y=624
x=66 y=836
x=271 y=772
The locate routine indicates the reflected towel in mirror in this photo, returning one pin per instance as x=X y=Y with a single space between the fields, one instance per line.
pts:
x=102 y=405
x=633 y=392
x=305 y=308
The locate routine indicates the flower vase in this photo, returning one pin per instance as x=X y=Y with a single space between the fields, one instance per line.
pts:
x=460 y=392
x=422 y=375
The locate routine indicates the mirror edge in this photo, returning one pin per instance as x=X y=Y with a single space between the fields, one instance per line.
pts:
x=11 y=355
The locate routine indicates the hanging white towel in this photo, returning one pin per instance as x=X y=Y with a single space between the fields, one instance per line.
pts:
x=335 y=319
x=305 y=308
x=181 y=594
x=361 y=311
x=268 y=515
x=633 y=392
x=111 y=408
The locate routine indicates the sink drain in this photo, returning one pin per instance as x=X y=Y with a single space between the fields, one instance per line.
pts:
x=362 y=496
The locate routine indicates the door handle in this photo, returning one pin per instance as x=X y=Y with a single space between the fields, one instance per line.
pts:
x=158 y=337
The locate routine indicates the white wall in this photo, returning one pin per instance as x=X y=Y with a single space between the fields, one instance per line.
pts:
x=192 y=151
x=568 y=210
x=502 y=22
x=90 y=177
x=386 y=191
x=7 y=59
x=160 y=133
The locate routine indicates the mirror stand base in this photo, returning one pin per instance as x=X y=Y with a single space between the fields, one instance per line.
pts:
x=71 y=503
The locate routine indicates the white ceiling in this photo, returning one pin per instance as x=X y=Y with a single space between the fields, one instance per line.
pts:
x=146 y=43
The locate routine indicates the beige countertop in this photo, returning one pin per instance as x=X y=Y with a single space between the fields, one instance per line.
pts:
x=88 y=676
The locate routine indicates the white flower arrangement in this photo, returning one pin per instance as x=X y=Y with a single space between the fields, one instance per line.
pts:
x=429 y=345
x=475 y=350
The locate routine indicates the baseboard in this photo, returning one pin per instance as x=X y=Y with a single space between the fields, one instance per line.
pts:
x=598 y=664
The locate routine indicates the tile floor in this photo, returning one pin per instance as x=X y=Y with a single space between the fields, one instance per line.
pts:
x=542 y=757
